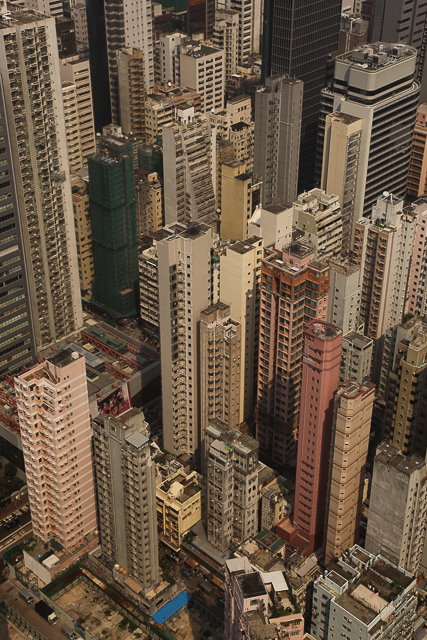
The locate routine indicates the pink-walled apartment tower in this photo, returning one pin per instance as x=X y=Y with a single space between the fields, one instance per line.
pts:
x=320 y=377
x=53 y=410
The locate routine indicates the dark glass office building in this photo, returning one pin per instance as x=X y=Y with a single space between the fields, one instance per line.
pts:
x=300 y=36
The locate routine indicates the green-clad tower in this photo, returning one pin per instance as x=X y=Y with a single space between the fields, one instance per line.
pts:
x=114 y=236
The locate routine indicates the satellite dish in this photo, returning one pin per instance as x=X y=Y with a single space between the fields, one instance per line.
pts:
x=386 y=194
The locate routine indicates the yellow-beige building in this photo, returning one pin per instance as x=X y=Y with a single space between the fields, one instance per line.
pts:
x=180 y=505
x=83 y=229
x=74 y=147
x=239 y=197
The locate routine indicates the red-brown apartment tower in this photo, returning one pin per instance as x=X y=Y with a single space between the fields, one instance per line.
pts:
x=294 y=290
x=320 y=377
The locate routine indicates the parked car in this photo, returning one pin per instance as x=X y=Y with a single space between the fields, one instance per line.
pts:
x=186 y=573
x=12 y=524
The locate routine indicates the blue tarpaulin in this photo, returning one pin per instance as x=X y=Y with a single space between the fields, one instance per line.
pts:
x=171 y=607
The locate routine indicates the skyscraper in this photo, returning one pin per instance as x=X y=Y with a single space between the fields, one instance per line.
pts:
x=320 y=374
x=298 y=36
x=112 y=206
x=128 y=24
x=29 y=65
x=376 y=84
x=294 y=290
x=185 y=289
x=278 y=112
x=126 y=489
x=53 y=409
x=349 y=449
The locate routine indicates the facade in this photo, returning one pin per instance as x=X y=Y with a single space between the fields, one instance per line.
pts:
x=240 y=268
x=289 y=29
x=78 y=14
x=76 y=69
x=294 y=290
x=383 y=245
x=128 y=24
x=113 y=216
x=41 y=172
x=360 y=594
x=185 y=289
x=318 y=215
x=356 y=357
x=416 y=301
x=83 y=229
x=54 y=468
x=232 y=469
x=47 y=7
x=417 y=176
x=242 y=138
x=161 y=107
x=277 y=502
x=74 y=147
x=202 y=69
x=17 y=338
x=349 y=449
x=189 y=162
x=405 y=413
x=149 y=202
x=149 y=286
x=387 y=72
x=226 y=37
x=126 y=488
x=396 y=526
x=320 y=375
x=131 y=84
x=353 y=29
x=248 y=23
x=169 y=58
x=345 y=294
x=272 y=223
x=180 y=505
x=200 y=18
x=278 y=113
x=220 y=366
x=340 y=166
x=240 y=194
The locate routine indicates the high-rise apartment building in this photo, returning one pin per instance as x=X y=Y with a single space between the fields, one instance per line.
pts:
x=126 y=489
x=290 y=29
x=149 y=286
x=272 y=223
x=53 y=409
x=417 y=176
x=189 y=162
x=383 y=73
x=149 y=202
x=226 y=37
x=398 y=507
x=113 y=217
x=161 y=108
x=128 y=24
x=48 y=7
x=416 y=300
x=35 y=116
x=169 y=56
x=294 y=290
x=130 y=68
x=366 y=596
x=74 y=147
x=232 y=469
x=356 y=357
x=249 y=22
x=278 y=112
x=383 y=249
x=340 y=165
x=76 y=69
x=83 y=228
x=351 y=426
x=405 y=414
x=200 y=18
x=185 y=289
x=318 y=215
x=240 y=267
x=320 y=375
x=17 y=339
x=240 y=195
x=344 y=294
x=98 y=56
x=220 y=349
x=79 y=16
x=202 y=68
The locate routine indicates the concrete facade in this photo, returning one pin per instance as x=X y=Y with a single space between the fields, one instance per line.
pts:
x=53 y=409
x=345 y=294
x=272 y=223
x=239 y=197
x=202 y=69
x=416 y=301
x=318 y=215
x=356 y=357
x=396 y=525
x=80 y=191
x=349 y=449
x=130 y=72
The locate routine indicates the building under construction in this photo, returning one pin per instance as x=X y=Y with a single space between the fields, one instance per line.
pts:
x=114 y=230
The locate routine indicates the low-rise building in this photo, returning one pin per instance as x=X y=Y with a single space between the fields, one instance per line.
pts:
x=180 y=504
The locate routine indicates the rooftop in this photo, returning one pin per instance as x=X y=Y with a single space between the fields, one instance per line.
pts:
x=377 y=55
x=64 y=358
x=323 y=330
x=251 y=585
x=276 y=208
x=391 y=455
x=20 y=16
